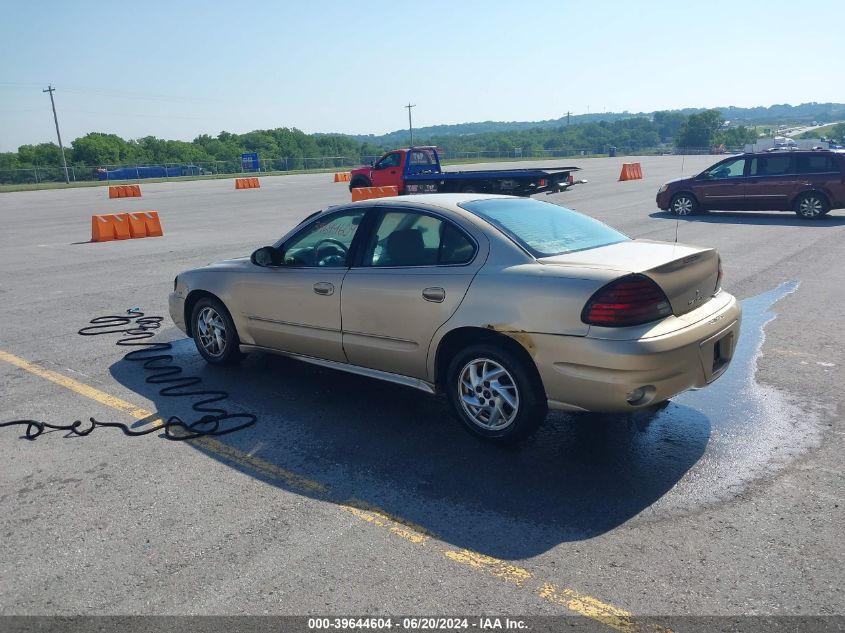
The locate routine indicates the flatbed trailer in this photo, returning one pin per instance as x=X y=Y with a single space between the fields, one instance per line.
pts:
x=417 y=170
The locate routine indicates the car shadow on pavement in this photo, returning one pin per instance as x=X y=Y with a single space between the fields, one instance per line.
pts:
x=401 y=450
x=753 y=217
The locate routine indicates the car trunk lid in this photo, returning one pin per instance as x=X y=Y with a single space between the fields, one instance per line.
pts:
x=688 y=275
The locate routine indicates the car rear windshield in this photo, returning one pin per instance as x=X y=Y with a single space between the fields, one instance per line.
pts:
x=544 y=229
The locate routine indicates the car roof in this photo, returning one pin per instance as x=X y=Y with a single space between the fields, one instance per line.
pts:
x=448 y=201
x=445 y=200
x=769 y=152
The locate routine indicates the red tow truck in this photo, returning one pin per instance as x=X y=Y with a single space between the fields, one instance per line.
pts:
x=417 y=170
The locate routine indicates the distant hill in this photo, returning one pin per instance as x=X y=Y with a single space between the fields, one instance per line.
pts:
x=776 y=114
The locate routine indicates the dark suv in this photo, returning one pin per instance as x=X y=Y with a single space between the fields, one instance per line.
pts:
x=811 y=183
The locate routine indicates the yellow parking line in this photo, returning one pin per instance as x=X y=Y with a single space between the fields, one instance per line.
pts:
x=81 y=388
x=590 y=607
x=576 y=602
x=256 y=463
x=208 y=443
x=380 y=518
x=497 y=567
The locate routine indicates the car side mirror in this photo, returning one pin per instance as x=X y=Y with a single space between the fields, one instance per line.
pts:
x=266 y=256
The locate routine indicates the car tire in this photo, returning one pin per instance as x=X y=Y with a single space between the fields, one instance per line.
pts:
x=359 y=182
x=214 y=332
x=506 y=407
x=683 y=204
x=811 y=206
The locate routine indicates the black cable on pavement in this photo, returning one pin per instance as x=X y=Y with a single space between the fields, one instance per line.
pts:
x=137 y=327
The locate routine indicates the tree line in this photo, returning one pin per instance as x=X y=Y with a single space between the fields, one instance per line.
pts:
x=698 y=130
x=96 y=148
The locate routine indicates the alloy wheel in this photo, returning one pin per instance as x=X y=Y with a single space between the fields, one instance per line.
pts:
x=488 y=394
x=683 y=205
x=810 y=207
x=212 y=331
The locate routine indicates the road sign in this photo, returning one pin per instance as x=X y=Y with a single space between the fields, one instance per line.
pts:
x=249 y=162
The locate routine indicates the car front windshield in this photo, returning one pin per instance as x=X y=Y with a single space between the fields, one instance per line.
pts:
x=544 y=229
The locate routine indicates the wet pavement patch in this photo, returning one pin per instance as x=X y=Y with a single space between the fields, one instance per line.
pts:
x=755 y=429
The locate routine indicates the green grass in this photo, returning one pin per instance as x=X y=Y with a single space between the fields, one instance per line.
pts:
x=47 y=185
x=825 y=131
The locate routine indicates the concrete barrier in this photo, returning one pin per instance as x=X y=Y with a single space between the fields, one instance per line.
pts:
x=247 y=183
x=125 y=191
x=124 y=226
x=368 y=193
x=108 y=227
x=144 y=224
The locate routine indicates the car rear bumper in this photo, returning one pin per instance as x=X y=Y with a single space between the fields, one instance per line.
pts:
x=176 y=303
x=589 y=374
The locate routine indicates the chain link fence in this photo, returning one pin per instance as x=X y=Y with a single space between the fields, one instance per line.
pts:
x=230 y=168
x=119 y=173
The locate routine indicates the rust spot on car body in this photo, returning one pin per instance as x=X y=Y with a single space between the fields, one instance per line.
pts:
x=520 y=336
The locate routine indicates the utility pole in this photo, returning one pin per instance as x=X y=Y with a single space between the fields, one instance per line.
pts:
x=50 y=89
x=567 y=117
x=410 y=126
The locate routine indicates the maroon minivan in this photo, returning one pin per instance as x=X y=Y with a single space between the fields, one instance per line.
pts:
x=811 y=183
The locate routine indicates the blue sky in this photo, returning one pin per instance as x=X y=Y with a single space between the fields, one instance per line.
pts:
x=178 y=69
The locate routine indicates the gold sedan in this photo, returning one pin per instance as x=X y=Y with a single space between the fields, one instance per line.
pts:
x=509 y=306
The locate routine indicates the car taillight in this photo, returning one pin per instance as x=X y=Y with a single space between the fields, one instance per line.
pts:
x=571 y=179
x=541 y=182
x=630 y=300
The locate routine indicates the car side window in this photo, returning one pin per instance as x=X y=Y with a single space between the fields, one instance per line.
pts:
x=815 y=164
x=324 y=242
x=415 y=239
x=729 y=169
x=455 y=246
x=770 y=165
x=391 y=160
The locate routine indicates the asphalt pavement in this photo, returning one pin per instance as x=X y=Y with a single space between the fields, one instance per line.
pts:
x=351 y=496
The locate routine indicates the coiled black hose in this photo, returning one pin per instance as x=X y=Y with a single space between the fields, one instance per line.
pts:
x=137 y=327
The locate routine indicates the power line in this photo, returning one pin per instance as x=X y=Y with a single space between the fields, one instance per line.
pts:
x=50 y=89
x=144 y=116
x=137 y=95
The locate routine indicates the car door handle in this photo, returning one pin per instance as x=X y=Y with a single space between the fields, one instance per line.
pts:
x=436 y=295
x=324 y=288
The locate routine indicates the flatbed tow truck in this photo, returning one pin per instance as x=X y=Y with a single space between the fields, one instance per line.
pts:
x=417 y=170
